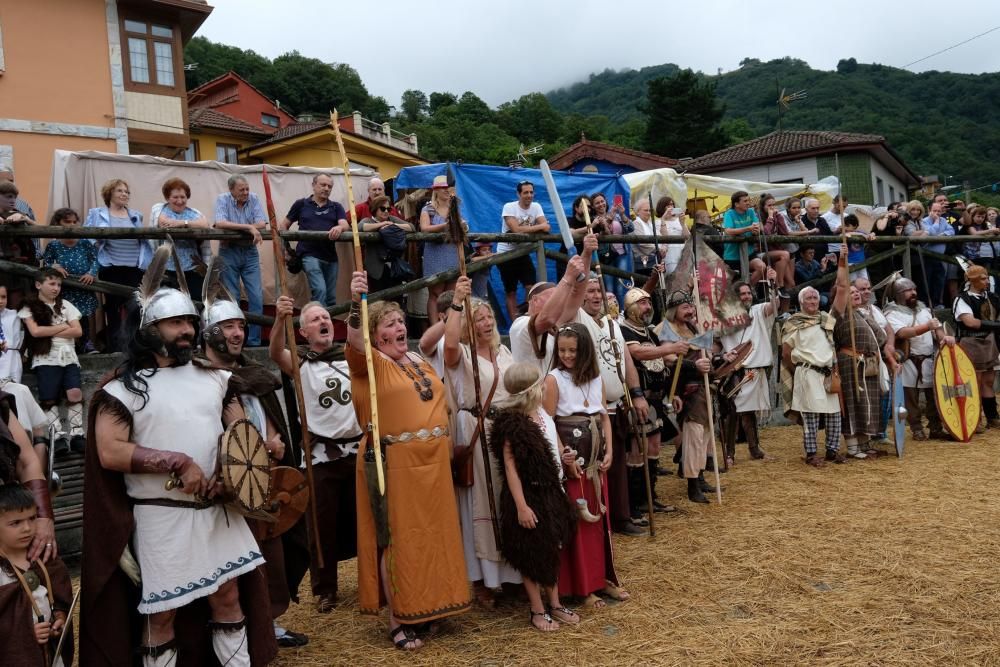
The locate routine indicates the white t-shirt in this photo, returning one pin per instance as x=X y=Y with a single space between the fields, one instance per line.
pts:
x=63 y=350
x=521 y=348
x=833 y=222
x=524 y=217
x=920 y=346
x=673 y=228
x=757 y=332
x=640 y=250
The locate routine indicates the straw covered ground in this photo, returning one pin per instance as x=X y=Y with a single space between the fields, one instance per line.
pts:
x=887 y=562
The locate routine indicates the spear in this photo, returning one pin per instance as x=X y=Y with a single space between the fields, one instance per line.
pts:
x=279 y=277
x=850 y=302
x=456 y=234
x=359 y=266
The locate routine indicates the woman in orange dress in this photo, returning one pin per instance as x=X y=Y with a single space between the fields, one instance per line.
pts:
x=410 y=548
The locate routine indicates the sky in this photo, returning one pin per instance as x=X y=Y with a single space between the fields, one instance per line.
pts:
x=501 y=49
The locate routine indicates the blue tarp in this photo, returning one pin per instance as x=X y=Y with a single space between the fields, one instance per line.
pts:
x=483 y=191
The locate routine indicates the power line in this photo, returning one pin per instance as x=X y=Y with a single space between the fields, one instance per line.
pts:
x=953 y=46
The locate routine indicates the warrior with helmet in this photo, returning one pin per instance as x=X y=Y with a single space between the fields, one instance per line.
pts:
x=161 y=416
x=696 y=437
x=224 y=331
x=653 y=360
x=977 y=315
x=917 y=331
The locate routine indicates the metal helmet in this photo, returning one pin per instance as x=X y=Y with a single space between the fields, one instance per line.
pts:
x=902 y=285
x=161 y=303
x=218 y=303
x=635 y=295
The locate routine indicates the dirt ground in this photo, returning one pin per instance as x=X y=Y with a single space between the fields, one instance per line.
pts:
x=884 y=562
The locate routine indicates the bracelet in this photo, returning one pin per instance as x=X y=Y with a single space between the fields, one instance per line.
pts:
x=636 y=392
x=354 y=316
x=457 y=308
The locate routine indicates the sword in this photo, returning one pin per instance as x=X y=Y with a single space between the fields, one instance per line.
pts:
x=564 y=230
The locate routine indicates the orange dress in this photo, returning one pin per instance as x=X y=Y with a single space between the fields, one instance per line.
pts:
x=424 y=556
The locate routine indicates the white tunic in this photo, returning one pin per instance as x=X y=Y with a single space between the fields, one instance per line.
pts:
x=810 y=346
x=183 y=553
x=522 y=349
x=13 y=335
x=606 y=357
x=901 y=317
x=754 y=395
x=576 y=399
x=326 y=390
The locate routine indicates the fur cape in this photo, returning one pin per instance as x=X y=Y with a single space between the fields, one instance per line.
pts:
x=533 y=552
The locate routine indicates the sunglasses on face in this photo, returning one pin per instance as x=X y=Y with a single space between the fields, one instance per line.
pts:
x=384 y=208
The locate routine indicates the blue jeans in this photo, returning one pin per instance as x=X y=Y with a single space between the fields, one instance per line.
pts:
x=244 y=262
x=613 y=284
x=322 y=277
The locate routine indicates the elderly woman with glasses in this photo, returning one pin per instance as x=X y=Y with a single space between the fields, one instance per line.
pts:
x=382 y=260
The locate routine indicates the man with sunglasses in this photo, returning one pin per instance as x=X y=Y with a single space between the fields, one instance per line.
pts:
x=523 y=216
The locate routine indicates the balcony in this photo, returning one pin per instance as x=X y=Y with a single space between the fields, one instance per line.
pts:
x=380 y=132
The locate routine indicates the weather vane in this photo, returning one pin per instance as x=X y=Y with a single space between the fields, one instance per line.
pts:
x=785 y=100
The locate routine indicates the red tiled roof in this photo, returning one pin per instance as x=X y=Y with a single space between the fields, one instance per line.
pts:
x=293 y=130
x=610 y=153
x=781 y=144
x=216 y=120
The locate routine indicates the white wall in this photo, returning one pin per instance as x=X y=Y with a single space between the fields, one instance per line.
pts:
x=803 y=170
x=888 y=179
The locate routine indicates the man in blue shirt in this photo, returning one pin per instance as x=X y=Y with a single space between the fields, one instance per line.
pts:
x=741 y=220
x=935 y=224
x=319 y=259
x=241 y=211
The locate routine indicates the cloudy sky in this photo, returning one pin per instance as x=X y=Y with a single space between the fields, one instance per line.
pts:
x=501 y=49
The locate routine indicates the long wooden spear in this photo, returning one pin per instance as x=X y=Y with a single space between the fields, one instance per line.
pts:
x=639 y=428
x=850 y=301
x=359 y=265
x=279 y=278
x=456 y=232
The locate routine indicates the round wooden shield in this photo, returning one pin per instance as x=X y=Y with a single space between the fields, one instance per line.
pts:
x=741 y=352
x=957 y=392
x=288 y=501
x=244 y=466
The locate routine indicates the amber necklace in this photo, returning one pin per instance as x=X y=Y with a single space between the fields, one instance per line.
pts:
x=419 y=379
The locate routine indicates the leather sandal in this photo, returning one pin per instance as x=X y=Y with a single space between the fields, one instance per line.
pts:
x=545 y=617
x=564 y=615
x=815 y=460
x=402 y=636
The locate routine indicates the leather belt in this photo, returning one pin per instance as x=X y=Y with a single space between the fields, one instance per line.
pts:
x=422 y=434
x=170 y=502
x=823 y=370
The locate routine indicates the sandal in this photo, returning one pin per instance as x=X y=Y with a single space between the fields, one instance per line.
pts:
x=406 y=642
x=615 y=592
x=545 y=617
x=564 y=615
x=815 y=461
x=594 y=601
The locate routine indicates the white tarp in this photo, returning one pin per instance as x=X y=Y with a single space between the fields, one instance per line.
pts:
x=716 y=191
x=77 y=178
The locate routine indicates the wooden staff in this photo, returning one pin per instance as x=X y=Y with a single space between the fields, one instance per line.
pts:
x=359 y=264
x=456 y=232
x=708 y=388
x=850 y=301
x=66 y=626
x=279 y=273
x=640 y=431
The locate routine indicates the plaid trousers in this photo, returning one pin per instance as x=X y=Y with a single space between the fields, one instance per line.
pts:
x=810 y=427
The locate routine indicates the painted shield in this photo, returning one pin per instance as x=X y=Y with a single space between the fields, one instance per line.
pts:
x=957 y=392
x=289 y=499
x=898 y=415
x=244 y=467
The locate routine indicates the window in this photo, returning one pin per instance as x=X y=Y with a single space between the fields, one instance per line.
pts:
x=226 y=153
x=268 y=119
x=151 y=49
x=880 y=189
x=193 y=152
x=892 y=193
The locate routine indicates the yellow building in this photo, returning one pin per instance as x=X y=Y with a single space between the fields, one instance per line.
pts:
x=80 y=75
x=218 y=136
x=312 y=144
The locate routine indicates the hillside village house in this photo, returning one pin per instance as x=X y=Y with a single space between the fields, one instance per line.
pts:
x=104 y=75
x=871 y=171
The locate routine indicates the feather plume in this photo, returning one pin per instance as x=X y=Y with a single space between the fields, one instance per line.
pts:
x=181 y=278
x=455 y=231
x=213 y=288
x=154 y=275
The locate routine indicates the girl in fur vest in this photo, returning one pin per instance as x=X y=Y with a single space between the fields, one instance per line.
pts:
x=536 y=517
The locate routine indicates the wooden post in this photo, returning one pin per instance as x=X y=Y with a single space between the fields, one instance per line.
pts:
x=540 y=270
x=745 y=259
x=907 y=268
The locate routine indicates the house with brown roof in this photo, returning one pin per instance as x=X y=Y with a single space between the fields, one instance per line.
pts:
x=218 y=136
x=311 y=144
x=594 y=157
x=870 y=171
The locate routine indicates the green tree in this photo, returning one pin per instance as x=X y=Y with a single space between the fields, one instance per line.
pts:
x=531 y=118
x=309 y=84
x=682 y=116
x=206 y=60
x=440 y=100
x=413 y=104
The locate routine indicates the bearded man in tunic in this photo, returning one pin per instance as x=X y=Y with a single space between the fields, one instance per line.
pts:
x=158 y=420
x=917 y=331
x=977 y=314
x=753 y=396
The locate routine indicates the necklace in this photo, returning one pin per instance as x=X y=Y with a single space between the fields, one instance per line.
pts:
x=419 y=379
x=586 y=395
